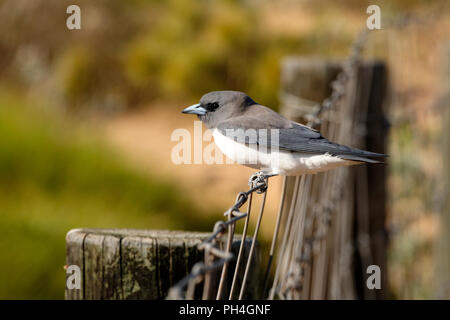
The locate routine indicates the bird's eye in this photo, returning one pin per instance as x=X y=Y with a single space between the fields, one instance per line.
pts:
x=212 y=106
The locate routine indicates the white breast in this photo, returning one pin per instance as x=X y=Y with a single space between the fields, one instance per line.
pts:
x=274 y=161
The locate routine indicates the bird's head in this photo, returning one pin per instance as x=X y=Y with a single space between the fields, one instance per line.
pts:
x=217 y=106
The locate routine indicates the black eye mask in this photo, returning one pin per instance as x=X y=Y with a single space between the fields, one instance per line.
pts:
x=211 y=107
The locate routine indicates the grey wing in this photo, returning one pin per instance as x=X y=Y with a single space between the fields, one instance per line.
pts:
x=297 y=138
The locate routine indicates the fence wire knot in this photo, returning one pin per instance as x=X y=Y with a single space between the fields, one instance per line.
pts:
x=258 y=179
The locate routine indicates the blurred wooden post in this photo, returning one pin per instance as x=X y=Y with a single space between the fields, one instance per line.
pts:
x=442 y=277
x=374 y=83
x=305 y=84
x=137 y=264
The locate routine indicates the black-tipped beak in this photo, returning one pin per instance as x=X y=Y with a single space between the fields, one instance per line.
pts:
x=195 y=109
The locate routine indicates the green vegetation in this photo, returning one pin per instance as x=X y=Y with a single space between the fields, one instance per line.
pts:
x=134 y=52
x=54 y=177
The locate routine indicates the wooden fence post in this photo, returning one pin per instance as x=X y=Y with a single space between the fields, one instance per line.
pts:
x=137 y=264
x=305 y=84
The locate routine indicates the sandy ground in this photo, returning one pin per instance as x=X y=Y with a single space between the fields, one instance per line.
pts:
x=144 y=138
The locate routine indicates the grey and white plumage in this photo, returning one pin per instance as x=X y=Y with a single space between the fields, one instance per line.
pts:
x=296 y=148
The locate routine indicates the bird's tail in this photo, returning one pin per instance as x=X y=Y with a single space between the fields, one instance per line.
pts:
x=363 y=156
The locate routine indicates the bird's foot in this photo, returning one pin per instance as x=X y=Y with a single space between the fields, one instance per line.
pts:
x=258 y=179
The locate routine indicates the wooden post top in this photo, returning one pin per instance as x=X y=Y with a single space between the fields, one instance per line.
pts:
x=132 y=263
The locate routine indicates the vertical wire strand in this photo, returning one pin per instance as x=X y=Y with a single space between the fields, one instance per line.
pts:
x=291 y=250
x=252 y=248
x=225 y=266
x=241 y=248
x=208 y=276
x=291 y=209
x=275 y=236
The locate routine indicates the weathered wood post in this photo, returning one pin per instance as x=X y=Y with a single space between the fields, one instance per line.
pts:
x=335 y=264
x=136 y=264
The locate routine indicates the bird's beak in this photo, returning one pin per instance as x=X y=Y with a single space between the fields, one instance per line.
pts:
x=195 y=109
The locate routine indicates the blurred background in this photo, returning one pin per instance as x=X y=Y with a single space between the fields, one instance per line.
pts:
x=86 y=118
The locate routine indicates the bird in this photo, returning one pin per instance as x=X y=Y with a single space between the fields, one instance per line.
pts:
x=258 y=137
